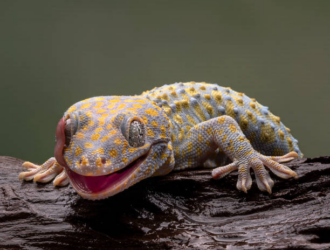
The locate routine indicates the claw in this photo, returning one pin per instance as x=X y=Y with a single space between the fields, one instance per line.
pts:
x=269 y=190
x=29 y=166
x=244 y=181
x=265 y=183
x=243 y=188
x=279 y=169
x=285 y=158
x=28 y=176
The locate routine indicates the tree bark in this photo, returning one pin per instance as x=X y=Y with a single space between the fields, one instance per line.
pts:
x=183 y=210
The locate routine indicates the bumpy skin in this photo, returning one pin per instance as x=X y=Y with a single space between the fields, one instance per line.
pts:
x=184 y=125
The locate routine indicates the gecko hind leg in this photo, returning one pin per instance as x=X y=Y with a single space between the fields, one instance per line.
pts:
x=218 y=158
x=44 y=173
x=225 y=133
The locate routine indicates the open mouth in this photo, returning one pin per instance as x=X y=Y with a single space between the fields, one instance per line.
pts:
x=100 y=184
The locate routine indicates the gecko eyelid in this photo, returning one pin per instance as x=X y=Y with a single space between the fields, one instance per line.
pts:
x=69 y=131
x=136 y=134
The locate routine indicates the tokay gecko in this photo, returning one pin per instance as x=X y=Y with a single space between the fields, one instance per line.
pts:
x=106 y=144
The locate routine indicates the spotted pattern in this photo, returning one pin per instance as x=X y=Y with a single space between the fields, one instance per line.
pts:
x=188 y=104
x=184 y=125
x=101 y=147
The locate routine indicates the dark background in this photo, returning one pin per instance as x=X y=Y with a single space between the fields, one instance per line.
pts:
x=55 y=53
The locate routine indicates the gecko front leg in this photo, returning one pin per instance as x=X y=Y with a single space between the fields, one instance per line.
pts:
x=224 y=133
x=45 y=173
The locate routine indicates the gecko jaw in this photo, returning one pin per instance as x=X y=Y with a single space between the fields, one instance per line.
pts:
x=101 y=187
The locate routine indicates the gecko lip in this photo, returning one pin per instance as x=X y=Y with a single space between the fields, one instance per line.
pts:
x=104 y=183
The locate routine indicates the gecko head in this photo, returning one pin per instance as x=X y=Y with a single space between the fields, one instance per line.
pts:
x=107 y=144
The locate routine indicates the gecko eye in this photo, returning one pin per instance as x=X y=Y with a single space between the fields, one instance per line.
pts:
x=136 y=134
x=69 y=131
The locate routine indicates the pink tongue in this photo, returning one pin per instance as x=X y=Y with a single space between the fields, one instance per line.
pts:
x=95 y=184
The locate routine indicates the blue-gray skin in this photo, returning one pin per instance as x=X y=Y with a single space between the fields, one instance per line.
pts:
x=107 y=144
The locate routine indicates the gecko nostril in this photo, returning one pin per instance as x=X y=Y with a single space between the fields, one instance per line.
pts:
x=103 y=160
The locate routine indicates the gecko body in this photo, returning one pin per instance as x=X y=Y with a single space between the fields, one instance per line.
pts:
x=106 y=144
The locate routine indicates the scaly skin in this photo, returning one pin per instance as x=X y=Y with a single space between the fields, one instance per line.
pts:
x=107 y=144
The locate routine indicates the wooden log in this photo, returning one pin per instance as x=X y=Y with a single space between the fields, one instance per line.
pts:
x=184 y=210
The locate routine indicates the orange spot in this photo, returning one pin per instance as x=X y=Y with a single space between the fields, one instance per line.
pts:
x=252 y=105
x=178 y=119
x=132 y=150
x=121 y=106
x=151 y=112
x=78 y=151
x=145 y=119
x=154 y=123
x=221 y=120
x=80 y=135
x=84 y=161
x=113 y=153
x=99 y=99
x=281 y=134
x=98 y=162
x=71 y=109
x=137 y=106
x=98 y=151
x=101 y=111
x=117 y=141
x=85 y=106
x=105 y=138
x=150 y=132
x=232 y=128
x=114 y=100
x=207 y=97
x=98 y=129
x=163 y=134
x=112 y=132
x=141 y=101
x=95 y=137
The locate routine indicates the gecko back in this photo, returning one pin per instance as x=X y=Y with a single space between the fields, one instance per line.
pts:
x=188 y=104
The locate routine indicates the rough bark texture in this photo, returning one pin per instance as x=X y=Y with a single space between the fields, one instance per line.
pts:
x=184 y=210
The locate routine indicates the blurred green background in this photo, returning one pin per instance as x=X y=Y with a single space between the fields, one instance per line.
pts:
x=55 y=53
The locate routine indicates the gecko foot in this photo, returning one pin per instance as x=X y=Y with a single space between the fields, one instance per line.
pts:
x=257 y=162
x=44 y=173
